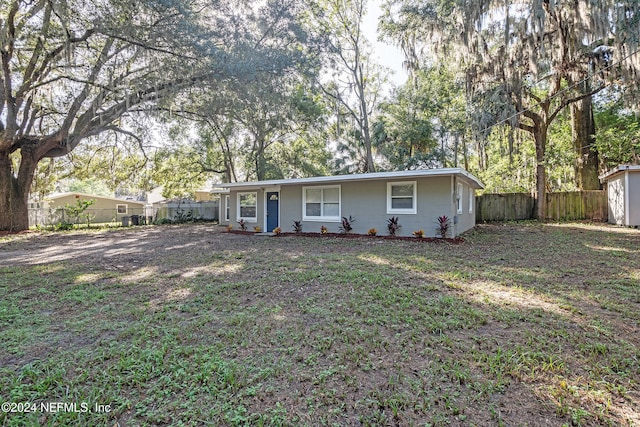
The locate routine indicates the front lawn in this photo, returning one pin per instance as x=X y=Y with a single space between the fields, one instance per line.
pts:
x=521 y=324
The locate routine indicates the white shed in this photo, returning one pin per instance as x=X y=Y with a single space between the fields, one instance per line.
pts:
x=623 y=193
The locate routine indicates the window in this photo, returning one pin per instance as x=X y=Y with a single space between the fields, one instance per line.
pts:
x=471 y=200
x=459 y=197
x=321 y=203
x=247 y=206
x=401 y=197
x=121 y=209
x=227 y=208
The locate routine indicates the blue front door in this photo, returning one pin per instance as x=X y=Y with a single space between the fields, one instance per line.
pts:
x=272 y=210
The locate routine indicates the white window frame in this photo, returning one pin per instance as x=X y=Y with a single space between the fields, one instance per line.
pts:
x=471 y=200
x=126 y=209
x=459 y=193
x=227 y=208
x=322 y=218
x=390 y=209
x=248 y=218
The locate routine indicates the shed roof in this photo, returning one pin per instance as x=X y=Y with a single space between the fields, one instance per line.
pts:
x=619 y=169
x=458 y=172
x=92 y=196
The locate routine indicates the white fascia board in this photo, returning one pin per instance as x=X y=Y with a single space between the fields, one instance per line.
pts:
x=618 y=169
x=91 y=196
x=470 y=179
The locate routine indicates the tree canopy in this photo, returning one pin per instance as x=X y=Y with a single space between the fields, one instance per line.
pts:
x=276 y=89
x=73 y=70
x=525 y=61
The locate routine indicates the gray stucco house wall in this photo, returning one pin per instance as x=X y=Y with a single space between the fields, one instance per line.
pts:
x=623 y=194
x=417 y=198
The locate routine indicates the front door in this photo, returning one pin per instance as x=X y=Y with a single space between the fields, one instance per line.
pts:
x=272 y=210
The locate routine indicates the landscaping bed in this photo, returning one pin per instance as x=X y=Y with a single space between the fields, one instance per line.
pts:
x=456 y=240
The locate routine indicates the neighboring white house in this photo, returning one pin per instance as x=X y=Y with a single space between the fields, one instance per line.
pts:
x=623 y=193
x=416 y=197
x=104 y=209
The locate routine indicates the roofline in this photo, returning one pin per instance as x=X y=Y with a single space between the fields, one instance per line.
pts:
x=619 y=169
x=92 y=196
x=475 y=182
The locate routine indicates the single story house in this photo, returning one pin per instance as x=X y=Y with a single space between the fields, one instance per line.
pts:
x=104 y=209
x=416 y=197
x=623 y=193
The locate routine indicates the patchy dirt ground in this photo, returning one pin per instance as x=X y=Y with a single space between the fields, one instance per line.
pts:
x=521 y=324
x=109 y=247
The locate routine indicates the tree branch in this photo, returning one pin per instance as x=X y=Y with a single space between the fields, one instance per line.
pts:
x=6 y=51
x=526 y=127
x=570 y=101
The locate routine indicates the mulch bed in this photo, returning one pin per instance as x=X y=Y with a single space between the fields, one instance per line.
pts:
x=456 y=240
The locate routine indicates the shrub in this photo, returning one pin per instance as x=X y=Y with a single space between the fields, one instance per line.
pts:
x=372 y=232
x=79 y=210
x=443 y=226
x=419 y=234
x=182 y=217
x=347 y=224
x=243 y=225
x=323 y=229
x=257 y=229
x=393 y=226
x=63 y=226
x=229 y=227
x=277 y=231
x=297 y=226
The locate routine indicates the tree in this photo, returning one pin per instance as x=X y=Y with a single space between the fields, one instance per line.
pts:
x=424 y=122
x=47 y=178
x=73 y=70
x=271 y=113
x=178 y=170
x=80 y=210
x=525 y=62
x=355 y=86
x=511 y=158
x=246 y=131
x=618 y=135
x=119 y=162
x=240 y=126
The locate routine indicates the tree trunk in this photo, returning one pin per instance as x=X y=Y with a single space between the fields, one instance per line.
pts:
x=583 y=130
x=456 y=142
x=260 y=162
x=14 y=192
x=369 y=151
x=364 y=120
x=464 y=153
x=540 y=138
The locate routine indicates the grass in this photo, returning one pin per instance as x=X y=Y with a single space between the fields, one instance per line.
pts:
x=522 y=324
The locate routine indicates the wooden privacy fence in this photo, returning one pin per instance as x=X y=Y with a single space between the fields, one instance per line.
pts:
x=574 y=205
x=504 y=207
x=589 y=204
